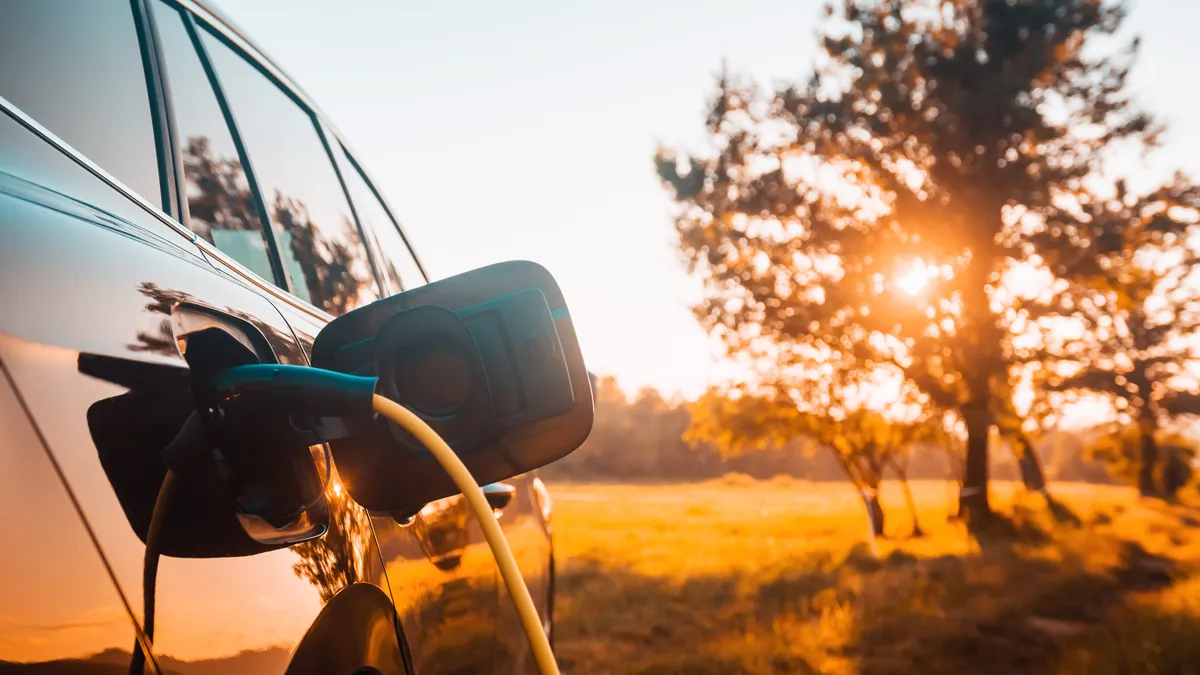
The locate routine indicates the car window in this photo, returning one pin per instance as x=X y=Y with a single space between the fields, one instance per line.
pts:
x=220 y=205
x=76 y=67
x=323 y=253
x=395 y=258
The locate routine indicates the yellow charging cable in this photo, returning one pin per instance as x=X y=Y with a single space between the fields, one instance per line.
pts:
x=538 y=642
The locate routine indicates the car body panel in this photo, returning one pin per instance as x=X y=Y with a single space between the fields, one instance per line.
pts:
x=58 y=601
x=92 y=273
x=528 y=533
x=75 y=284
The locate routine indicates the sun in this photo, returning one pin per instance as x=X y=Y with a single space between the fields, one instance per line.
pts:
x=915 y=279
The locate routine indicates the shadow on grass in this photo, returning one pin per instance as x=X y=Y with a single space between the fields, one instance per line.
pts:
x=1012 y=608
x=1062 y=513
x=612 y=620
x=1024 y=526
x=1042 y=608
x=1141 y=640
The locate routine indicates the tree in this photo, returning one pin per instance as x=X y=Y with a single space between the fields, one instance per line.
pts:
x=903 y=437
x=638 y=439
x=219 y=196
x=1011 y=426
x=928 y=131
x=1119 y=448
x=821 y=395
x=736 y=423
x=1126 y=289
x=341 y=556
x=861 y=442
x=336 y=275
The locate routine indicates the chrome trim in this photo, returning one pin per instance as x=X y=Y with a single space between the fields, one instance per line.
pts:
x=62 y=146
x=19 y=188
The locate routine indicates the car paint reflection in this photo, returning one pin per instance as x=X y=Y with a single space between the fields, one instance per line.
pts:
x=92 y=297
x=528 y=535
x=441 y=574
x=58 y=606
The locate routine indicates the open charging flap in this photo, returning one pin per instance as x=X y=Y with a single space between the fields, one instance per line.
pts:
x=488 y=358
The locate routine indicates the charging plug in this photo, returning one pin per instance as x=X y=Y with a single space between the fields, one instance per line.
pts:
x=262 y=420
x=298 y=391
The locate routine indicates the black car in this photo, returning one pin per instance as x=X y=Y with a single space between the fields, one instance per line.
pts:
x=158 y=176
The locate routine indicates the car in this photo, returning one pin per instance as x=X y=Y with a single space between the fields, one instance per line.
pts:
x=168 y=196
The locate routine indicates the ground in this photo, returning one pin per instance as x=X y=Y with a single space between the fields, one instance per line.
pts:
x=743 y=576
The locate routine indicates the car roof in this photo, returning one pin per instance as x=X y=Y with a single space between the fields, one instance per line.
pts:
x=221 y=21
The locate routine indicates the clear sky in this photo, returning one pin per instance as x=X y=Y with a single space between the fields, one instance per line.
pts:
x=502 y=130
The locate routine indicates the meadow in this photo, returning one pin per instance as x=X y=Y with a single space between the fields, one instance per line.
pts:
x=744 y=576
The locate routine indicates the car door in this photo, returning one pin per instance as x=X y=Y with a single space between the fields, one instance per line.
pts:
x=62 y=612
x=100 y=292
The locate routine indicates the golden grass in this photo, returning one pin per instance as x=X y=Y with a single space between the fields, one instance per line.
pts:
x=742 y=576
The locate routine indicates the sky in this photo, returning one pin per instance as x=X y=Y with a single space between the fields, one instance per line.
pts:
x=525 y=130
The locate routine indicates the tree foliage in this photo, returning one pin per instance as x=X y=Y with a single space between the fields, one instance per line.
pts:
x=829 y=398
x=1119 y=448
x=219 y=196
x=1120 y=323
x=943 y=132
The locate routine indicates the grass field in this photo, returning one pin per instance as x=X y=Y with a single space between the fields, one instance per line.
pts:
x=741 y=576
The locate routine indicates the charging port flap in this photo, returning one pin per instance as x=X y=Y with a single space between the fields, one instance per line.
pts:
x=488 y=358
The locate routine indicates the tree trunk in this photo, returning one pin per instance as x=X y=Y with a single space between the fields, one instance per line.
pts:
x=1031 y=466
x=912 y=506
x=1148 y=460
x=870 y=497
x=986 y=354
x=973 y=503
x=1176 y=473
x=874 y=511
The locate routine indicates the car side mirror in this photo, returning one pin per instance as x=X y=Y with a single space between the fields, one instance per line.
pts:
x=488 y=358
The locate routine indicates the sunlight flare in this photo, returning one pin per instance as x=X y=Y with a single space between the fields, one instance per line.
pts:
x=914 y=281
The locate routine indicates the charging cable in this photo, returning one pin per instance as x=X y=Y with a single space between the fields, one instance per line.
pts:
x=539 y=643
x=184 y=444
x=320 y=392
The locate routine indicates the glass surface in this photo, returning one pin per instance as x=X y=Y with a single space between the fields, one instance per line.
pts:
x=219 y=200
x=76 y=67
x=396 y=259
x=323 y=254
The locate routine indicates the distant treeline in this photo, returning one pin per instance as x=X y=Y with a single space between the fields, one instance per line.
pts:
x=641 y=438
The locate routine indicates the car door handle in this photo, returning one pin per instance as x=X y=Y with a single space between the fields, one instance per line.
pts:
x=499 y=495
